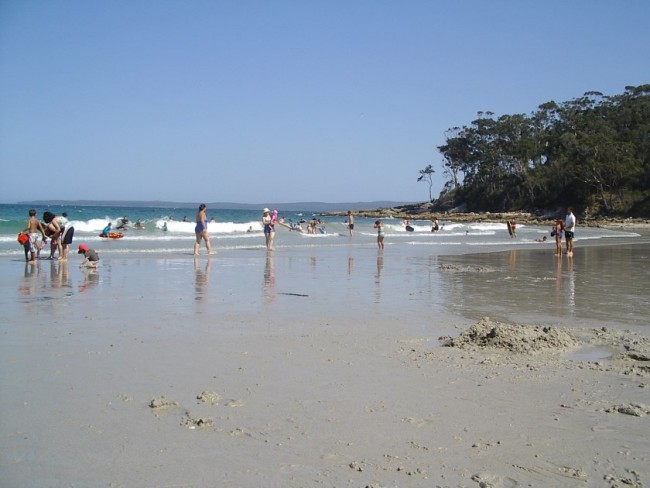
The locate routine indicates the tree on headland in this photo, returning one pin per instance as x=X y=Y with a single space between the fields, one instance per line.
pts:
x=591 y=152
x=426 y=175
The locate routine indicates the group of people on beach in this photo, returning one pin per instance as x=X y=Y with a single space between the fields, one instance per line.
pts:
x=60 y=232
x=564 y=228
x=35 y=234
x=202 y=235
x=379 y=225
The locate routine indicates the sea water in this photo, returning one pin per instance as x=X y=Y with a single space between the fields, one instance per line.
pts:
x=170 y=230
x=464 y=271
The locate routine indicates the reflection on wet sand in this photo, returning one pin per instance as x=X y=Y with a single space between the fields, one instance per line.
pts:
x=380 y=268
x=269 y=279
x=512 y=259
x=565 y=286
x=29 y=283
x=593 y=284
x=202 y=277
x=59 y=276
x=91 y=279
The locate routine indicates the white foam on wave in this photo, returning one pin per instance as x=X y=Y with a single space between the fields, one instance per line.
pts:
x=179 y=227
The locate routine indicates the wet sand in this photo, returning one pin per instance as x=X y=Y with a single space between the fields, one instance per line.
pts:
x=324 y=367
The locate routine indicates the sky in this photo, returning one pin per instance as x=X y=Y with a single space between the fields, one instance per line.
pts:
x=283 y=101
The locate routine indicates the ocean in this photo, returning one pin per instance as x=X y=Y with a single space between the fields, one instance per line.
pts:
x=166 y=232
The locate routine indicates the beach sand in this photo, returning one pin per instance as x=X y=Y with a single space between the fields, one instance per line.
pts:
x=328 y=367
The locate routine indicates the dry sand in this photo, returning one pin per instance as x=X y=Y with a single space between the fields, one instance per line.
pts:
x=501 y=406
x=199 y=396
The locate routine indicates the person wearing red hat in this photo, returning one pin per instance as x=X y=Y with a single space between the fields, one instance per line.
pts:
x=91 y=258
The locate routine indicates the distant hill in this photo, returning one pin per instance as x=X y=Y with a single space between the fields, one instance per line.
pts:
x=312 y=206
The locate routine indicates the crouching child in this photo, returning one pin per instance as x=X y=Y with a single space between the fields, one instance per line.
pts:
x=91 y=258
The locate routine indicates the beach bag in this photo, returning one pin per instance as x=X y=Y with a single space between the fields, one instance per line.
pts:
x=23 y=239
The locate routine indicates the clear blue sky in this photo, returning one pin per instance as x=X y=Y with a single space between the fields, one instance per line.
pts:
x=282 y=101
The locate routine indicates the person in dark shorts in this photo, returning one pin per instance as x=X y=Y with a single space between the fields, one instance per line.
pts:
x=61 y=233
x=350 y=222
x=67 y=239
x=569 y=228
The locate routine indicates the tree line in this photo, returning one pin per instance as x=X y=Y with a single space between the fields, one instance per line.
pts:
x=592 y=153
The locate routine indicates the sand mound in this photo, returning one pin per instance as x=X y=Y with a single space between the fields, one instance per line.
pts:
x=210 y=397
x=161 y=402
x=518 y=339
x=634 y=409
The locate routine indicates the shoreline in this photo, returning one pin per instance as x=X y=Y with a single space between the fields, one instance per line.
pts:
x=617 y=223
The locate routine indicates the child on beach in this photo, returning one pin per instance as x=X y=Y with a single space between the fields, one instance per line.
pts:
x=23 y=240
x=91 y=258
x=558 y=232
x=380 y=233
x=32 y=228
x=106 y=230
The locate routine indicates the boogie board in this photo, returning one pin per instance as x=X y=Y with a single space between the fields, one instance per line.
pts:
x=112 y=235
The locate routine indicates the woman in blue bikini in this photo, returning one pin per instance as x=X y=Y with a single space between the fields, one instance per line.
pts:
x=201 y=231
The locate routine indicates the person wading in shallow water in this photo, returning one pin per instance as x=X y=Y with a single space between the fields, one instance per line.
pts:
x=32 y=229
x=201 y=231
x=558 y=233
x=269 y=229
x=380 y=233
x=569 y=228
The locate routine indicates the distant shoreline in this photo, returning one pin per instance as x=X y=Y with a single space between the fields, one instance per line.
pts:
x=302 y=206
x=374 y=209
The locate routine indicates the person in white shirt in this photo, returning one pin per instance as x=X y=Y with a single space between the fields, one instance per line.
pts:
x=569 y=228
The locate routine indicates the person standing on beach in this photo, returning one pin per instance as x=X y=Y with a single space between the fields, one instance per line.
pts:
x=54 y=231
x=569 y=228
x=201 y=231
x=67 y=231
x=380 y=234
x=269 y=229
x=32 y=228
x=350 y=222
x=61 y=234
x=558 y=232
